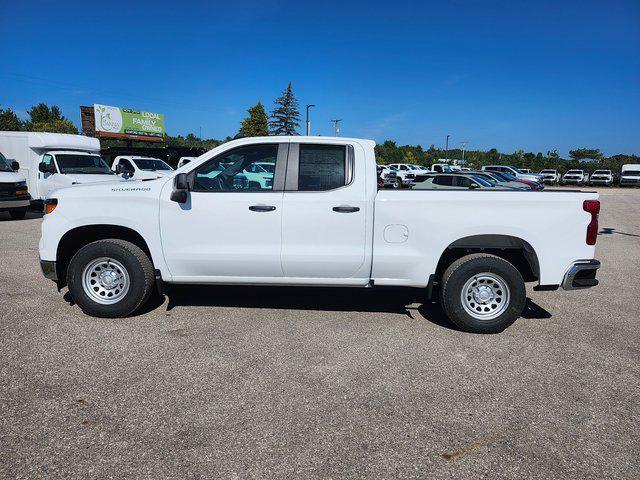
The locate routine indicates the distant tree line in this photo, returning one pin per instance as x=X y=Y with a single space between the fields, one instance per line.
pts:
x=588 y=159
x=284 y=119
x=41 y=119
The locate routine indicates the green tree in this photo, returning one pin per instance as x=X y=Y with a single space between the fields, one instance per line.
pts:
x=285 y=118
x=55 y=126
x=43 y=118
x=579 y=153
x=9 y=121
x=256 y=124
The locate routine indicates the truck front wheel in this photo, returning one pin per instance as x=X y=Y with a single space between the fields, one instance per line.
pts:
x=110 y=278
x=482 y=293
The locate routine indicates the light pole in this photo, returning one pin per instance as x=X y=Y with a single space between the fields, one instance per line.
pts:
x=446 y=148
x=464 y=144
x=308 y=122
x=336 y=125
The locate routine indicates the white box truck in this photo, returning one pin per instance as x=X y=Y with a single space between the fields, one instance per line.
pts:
x=53 y=160
x=630 y=175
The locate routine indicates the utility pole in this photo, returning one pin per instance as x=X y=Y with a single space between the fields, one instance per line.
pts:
x=446 y=148
x=336 y=126
x=308 y=122
x=464 y=144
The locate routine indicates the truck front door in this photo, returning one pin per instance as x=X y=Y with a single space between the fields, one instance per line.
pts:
x=47 y=180
x=230 y=229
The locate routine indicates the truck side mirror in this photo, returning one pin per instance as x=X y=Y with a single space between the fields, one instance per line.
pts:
x=180 y=188
x=15 y=166
x=473 y=186
x=119 y=168
x=44 y=168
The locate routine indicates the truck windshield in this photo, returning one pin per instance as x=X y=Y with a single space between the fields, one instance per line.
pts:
x=634 y=173
x=574 y=172
x=547 y=171
x=601 y=172
x=84 y=164
x=151 y=164
x=5 y=165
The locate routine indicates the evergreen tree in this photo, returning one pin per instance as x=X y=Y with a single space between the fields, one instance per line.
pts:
x=256 y=124
x=45 y=119
x=285 y=118
x=9 y=121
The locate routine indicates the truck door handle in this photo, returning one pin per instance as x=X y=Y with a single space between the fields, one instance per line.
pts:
x=346 y=209
x=262 y=208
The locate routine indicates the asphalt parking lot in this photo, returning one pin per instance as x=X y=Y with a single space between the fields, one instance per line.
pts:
x=321 y=383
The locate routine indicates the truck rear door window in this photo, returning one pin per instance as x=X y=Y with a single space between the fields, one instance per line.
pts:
x=321 y=167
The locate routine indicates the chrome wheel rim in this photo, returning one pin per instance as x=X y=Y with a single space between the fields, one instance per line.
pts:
x=485 y=296
x=105 y=281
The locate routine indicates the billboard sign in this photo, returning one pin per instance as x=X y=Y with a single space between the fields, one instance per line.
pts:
x=124 y=123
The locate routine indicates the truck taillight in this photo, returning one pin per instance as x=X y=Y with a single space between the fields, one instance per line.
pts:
x=592 y=207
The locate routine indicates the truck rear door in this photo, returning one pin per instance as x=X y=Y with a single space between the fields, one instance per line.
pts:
x=325 y=212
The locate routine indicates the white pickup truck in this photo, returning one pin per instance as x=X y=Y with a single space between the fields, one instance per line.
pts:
x=322 y=221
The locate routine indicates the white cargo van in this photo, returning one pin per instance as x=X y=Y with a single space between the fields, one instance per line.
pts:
x=53 y=160
x=630 y=174
x=14 y=197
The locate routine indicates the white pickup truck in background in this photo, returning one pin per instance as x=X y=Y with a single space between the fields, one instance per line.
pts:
x=140 y=168
x=322 y=221
x=549 y=176
x=575 y=177
x=601 y=177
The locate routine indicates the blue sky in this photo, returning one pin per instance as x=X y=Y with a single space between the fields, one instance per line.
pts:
x=505 y=74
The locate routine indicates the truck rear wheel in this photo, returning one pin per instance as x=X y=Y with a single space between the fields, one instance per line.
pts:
x=110 y=278
x=482 y=293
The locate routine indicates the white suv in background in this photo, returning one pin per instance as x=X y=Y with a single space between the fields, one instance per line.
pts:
x=550 y=176
x=575 y=177
x=601 y=177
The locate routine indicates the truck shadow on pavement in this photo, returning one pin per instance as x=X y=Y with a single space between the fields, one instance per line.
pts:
x=377 y=300
x=610 y=231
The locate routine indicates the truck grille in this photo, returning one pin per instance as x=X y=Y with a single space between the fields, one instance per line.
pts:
x=8 y=190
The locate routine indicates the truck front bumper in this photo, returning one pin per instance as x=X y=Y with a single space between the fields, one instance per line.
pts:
x=49 y=269
x=9 y=204
x=582 y=274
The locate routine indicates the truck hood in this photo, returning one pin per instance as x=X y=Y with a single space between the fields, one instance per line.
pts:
x=80 y=178
x=11 y=177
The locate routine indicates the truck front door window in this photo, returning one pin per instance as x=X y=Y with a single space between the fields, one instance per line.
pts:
x=321 y=167
x=233 y=171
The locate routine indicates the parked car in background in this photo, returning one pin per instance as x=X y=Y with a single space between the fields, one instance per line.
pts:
x=440 y=167
x=601 y=177
x=533 y=185
x=502 y=181
x=452 y=181
x=406 y=173
x=531 y=177
x=14 y=196
x=388 y=177
x=321 y=222
x=185 y=160
x=575 y=177
x=630 y=175
x=50 y=161
x=525 y=170
x=260 y=174
x=550 y=176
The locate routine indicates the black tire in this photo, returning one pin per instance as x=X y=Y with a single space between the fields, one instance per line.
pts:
x=462 y=270
x=397 y=183
x=18 y=213
x=137 y=264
